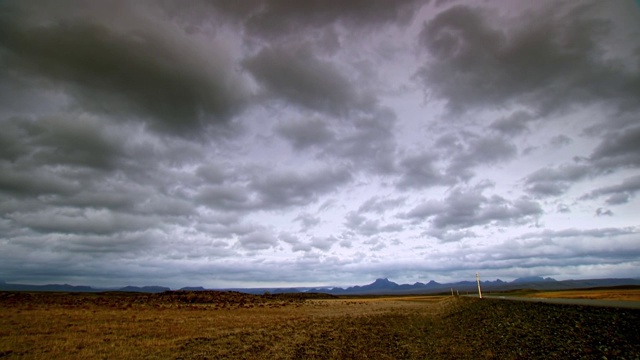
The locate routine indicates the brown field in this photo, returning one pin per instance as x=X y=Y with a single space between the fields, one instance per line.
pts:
x=216 y=325
x=594 y=294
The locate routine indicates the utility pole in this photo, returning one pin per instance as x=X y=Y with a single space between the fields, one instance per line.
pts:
x=478 y=280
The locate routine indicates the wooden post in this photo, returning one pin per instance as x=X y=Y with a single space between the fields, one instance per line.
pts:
x=478 y=280
x=451 y=291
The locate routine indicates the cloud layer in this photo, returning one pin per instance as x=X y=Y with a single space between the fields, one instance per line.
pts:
x=279 y=143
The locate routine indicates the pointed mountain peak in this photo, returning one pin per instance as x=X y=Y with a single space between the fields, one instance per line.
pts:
x=382 y=283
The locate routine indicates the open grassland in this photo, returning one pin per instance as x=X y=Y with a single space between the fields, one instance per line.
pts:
x=212 y=325
x=629 y=294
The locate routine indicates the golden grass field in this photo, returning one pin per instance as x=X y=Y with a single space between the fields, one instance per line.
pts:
x=594 y=294
x=86 y=326
x=227 y=325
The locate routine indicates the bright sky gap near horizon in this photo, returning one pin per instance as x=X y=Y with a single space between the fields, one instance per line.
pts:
x=306 y=143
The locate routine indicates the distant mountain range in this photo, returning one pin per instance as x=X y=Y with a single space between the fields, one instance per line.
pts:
x=378 y=287
x=73 y=288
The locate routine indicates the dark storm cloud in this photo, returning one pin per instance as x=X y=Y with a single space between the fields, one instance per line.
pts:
x=548 y=60
x=63 y=139
x=618 y=149
x=304 y=134
x=130 y=65
x=282 y=189
x=277 y=18
x=274 y=190
x=514 y=124
x=32 y=182
x=298 y=76
x=223 y=143
x=81 y=221
x=367 y=142
x=465 y=208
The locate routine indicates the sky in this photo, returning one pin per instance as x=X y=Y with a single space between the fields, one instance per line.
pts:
x=268 y=143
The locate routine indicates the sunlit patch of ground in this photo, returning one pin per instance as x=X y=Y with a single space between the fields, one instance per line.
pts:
x=605 y=294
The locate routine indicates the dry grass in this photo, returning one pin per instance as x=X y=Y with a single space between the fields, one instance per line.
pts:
x=55 y=326
x=594 y=294
x=183 y=325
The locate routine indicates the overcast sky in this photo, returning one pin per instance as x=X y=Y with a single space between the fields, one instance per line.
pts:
x=293 y=143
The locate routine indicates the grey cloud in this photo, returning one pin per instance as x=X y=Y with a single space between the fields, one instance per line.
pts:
x=618 y=149
x=514 y=124
x=367 y=227
x=379 y=205
x=572 y=233
x=480 y=151
x=446 y=236
x=559 y=141
x=82 y=221
x=320 y=243
x=30 y=182
x=563 y=248
x=617 y=199
x=272 y=190
x=261 y=240
x=323 y=244
x=425 y=210
x=465 y=208
x=212 y=173
x=463 y=154
x=305 y=134
x=64 y=139
x=547 y=61
x=555 y=181
x=603 y=212
x=421 y=171
x=307 y=221
x=297 y=76
x=276 y=18
x=133 y=65
x=368 y=142
x=227 y=228
x=226 y=197
x=618 y=194
x=282 y=189
x=547 y=188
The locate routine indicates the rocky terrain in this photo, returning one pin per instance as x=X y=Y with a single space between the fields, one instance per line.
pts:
x=522 y=330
